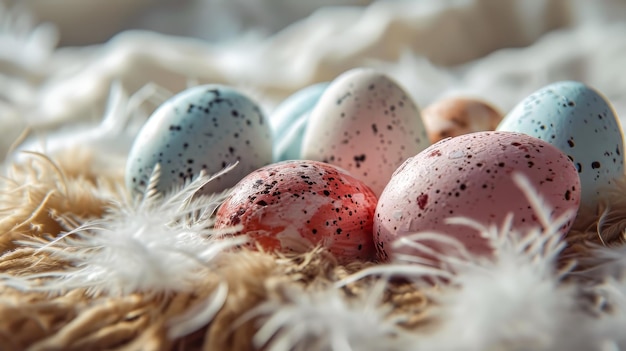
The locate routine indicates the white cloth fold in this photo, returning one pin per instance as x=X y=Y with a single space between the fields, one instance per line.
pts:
x=499 y=50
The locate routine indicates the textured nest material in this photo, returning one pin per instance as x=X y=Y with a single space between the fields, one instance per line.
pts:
x=42 y=198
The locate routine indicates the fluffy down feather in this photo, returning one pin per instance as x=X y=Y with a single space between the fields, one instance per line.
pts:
x=157 y=244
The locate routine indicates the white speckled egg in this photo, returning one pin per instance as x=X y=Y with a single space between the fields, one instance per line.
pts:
x=203 y=128
x=367 y=124
x=471 y=176
x=290 y=119
x=579 y=121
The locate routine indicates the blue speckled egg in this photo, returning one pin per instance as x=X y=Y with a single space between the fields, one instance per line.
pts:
x=290 y=119
x=203 y=128
x=367 y=124
x=580 y=122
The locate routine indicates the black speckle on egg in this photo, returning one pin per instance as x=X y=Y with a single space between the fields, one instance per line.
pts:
x=341 y=99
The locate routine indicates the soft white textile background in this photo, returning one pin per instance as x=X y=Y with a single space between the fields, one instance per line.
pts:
x=500 y=50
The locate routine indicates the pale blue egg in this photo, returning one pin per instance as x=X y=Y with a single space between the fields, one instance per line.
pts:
x=580 y=122
x=290 y=119
x=202 y=128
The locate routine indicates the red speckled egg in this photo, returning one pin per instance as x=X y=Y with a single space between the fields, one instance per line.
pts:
x=471 y=176
x=285 y=205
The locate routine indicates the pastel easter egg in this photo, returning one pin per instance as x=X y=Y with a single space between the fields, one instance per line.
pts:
x=456 y=116
x=580 y=122
x=292 y=206
x=203 y=128
x=367 y=124
x=290 y=119
x=471 y=176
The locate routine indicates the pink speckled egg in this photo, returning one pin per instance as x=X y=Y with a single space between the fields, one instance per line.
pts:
x=471 y=176
x=292 y=206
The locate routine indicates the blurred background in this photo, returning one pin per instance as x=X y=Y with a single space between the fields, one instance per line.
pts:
x=87 y=22
x=83 y=22
x=65 y=65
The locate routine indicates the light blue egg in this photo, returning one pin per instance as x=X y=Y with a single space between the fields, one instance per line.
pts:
x=203 y=128
x=289 y=121
x=580 y=122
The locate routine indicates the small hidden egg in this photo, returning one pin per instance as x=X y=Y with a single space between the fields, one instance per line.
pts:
x=366 y=124
x=456 y=116
x=471 y=176
x=580 y=122
x=291 y=206
x=206 y=128
x=290 y=119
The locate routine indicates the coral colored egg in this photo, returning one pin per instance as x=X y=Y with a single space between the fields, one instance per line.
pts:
x=471 y=176
x=292 y=206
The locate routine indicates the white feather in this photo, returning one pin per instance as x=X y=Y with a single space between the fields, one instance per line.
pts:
x=610 y=307
x=604 y=262
x=326 y=320
x=198 y=316
x=514 y=300
x=155 y=244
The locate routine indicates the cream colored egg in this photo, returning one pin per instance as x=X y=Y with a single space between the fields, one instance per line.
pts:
x=367 y=124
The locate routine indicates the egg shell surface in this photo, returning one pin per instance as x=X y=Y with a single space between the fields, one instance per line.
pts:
x=290 y=119
x=292 y=206
x=366 y=124
x=456 y=116
x=206 y=128
x=580 y=122
x=471 y=176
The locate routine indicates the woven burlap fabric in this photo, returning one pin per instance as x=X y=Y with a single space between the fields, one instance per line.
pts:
x=42 y=198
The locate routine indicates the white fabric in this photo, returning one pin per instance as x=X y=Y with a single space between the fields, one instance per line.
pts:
x=499 y=50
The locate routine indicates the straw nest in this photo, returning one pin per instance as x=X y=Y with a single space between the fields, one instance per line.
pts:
x=42 y=198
